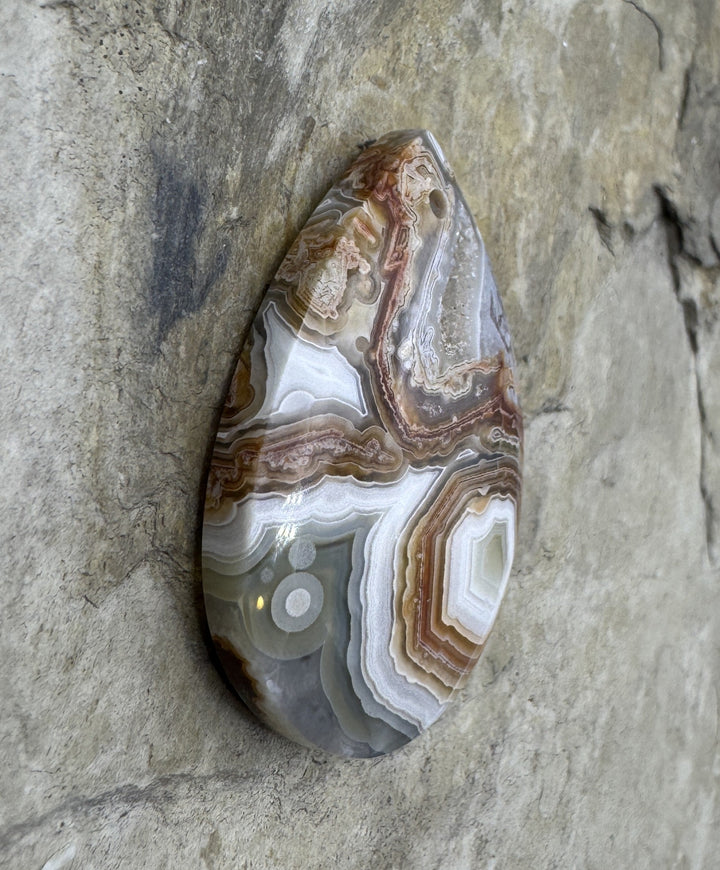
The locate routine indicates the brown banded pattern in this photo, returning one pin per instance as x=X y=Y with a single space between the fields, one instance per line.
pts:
x=363 y=496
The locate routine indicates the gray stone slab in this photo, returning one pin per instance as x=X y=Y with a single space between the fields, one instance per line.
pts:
x=158 y=159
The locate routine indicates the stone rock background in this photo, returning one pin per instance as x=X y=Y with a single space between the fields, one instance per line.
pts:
x=157 y=161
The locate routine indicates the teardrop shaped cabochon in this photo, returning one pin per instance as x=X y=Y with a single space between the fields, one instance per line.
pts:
x=362 y=504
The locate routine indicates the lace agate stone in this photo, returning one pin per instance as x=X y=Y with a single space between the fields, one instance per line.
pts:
x=362 y=503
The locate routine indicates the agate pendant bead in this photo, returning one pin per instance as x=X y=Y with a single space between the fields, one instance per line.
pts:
x=362 y=503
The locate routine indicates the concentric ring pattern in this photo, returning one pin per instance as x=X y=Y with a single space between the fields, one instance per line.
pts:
x=362 y=503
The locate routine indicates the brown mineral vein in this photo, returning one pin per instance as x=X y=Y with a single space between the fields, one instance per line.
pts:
x=277 y=459
x=420 y=632
x=243 y=398
x=317 y=267
x=397 y=181
x=237 y=669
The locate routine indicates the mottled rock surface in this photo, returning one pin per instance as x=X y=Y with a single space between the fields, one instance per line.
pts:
x=158 y=159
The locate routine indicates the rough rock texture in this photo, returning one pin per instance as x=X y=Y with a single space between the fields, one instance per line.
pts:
x=158 y=159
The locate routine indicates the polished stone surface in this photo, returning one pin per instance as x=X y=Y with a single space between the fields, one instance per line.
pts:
x=361 y=510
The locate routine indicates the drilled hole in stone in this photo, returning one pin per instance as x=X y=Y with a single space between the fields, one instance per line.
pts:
x=438 y=203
